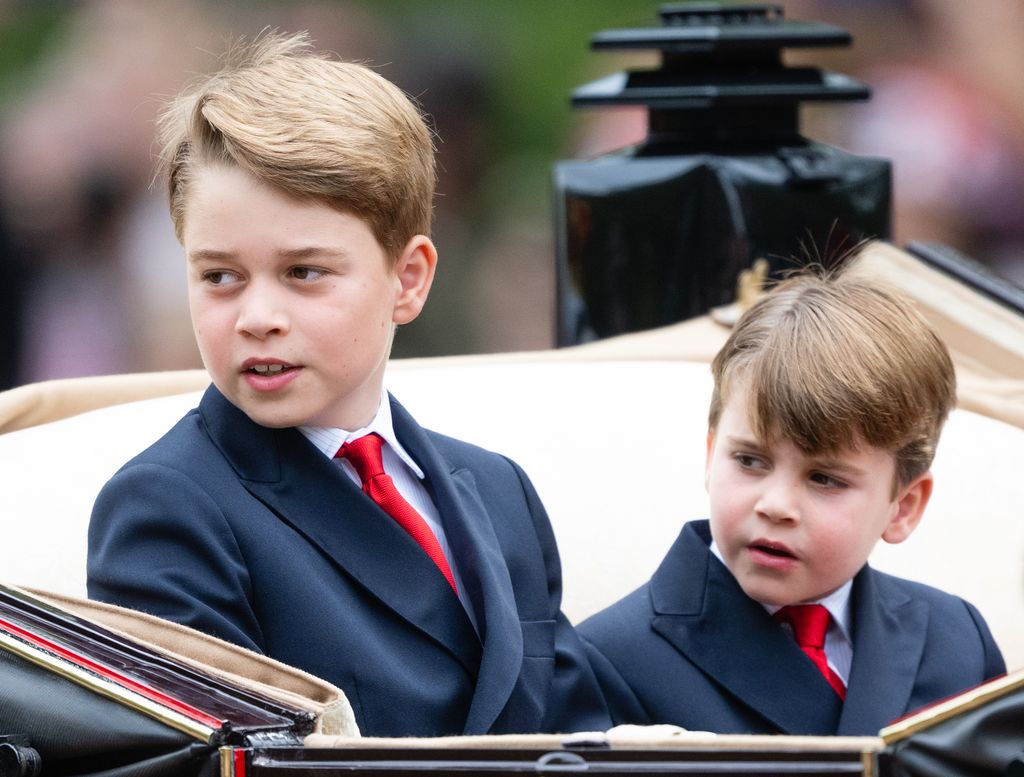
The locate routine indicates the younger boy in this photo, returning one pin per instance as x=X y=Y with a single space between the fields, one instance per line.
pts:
x=828 y=401
x=300 y=511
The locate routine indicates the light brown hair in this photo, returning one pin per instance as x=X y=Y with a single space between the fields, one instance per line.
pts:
x=832 y=359
x=336 y=132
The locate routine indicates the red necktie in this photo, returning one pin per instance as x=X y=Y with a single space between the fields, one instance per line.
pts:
x=810 y=622
x=364 y=453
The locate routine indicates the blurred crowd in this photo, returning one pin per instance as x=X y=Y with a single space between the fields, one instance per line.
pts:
x=947 y=107
x=92 y=279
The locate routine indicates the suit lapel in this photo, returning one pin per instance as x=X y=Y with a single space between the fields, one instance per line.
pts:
x=482 y=567
x=310 y=493
x=888 y=640
x=701 y=610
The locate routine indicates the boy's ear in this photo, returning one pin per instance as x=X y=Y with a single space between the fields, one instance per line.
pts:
x=414 y=272
x=910 y=503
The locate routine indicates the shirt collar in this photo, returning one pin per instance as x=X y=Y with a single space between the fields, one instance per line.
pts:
x=329 y=439
x=837 y=603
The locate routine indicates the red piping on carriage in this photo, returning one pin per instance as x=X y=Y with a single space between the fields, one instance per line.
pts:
x=125 y=682
x=238 y=762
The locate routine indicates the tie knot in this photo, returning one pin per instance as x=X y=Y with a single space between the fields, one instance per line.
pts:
x=809 y=622
x=364 y=453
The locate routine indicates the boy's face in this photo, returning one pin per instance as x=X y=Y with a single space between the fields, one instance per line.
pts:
x=294 y=302
x=793 y=527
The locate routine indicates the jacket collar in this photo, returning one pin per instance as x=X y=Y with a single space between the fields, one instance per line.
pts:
x=700 y=608
x=702 y=611
x=889 y=630
x=483 y=569
x=282 y=469
x=290 y=476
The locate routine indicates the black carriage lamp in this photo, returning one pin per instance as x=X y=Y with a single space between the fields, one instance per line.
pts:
x=659 y=232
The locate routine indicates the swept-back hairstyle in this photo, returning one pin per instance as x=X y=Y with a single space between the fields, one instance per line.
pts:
x=314 y=127
x=830 y=359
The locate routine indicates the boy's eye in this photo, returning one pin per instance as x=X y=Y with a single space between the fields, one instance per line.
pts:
x=220 y=277
x=827 y=480
x=306 y=273
x=749 y=461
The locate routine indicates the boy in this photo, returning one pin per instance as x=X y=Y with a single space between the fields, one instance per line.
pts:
x=828 y=401
x=300 y=511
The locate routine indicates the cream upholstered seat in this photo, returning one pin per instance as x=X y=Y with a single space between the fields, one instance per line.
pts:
x=567 y=416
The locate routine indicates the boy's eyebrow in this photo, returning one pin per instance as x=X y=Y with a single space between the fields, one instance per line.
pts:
x=744 y=442
x=208 y=254
x=303 y=252
x=838 y=465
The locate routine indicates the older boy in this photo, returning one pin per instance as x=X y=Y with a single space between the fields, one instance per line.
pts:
x=300 y=511
x=828 y=402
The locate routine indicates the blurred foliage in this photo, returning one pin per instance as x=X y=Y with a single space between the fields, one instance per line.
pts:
x=529 y=53
x=26 y=30
x=532 y=53
x=536 y=51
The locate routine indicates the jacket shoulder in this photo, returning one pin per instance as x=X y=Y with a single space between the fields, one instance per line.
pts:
x=893 y=585
x=956 y=628
x=185 y=447
x=619 y=625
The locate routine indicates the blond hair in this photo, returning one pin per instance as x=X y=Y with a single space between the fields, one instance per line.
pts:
x=314 y=127
x=831 y=359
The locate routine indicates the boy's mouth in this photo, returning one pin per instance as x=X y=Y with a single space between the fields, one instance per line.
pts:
x=267 y=377
x=268 y=369
x=265 y=368
x=776 y=549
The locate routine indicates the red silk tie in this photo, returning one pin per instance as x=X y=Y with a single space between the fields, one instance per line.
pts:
x=810 y=622
x=364 y=453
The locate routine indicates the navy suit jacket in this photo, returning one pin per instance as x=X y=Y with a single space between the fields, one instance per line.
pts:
x=251 y=534
x=691 y=649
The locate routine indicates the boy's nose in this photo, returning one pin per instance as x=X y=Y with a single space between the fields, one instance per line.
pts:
x=261 y=315
x=779 y=500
